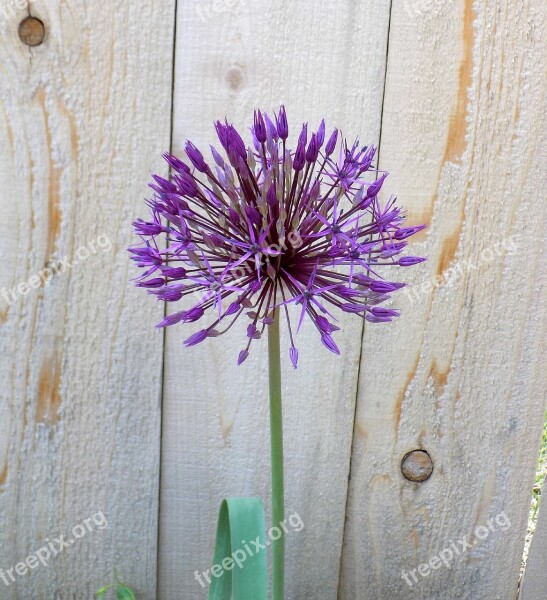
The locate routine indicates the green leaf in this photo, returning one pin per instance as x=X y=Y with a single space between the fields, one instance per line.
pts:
x=240 y=519
x=124 y=593
x=103 y=590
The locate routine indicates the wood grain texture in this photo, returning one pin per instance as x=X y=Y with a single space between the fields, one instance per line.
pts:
x=534 y=584
x=462 y=373
x=83 y=120
x=321 y=60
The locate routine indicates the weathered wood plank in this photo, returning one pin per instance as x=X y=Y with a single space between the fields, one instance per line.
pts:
x=461 y=374
x=321 y=60
x=83 y=120
x=534 y=584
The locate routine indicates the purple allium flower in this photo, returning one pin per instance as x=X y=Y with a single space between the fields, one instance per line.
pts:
x=266 y=227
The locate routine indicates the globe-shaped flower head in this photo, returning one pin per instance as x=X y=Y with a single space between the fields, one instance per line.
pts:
x=266 y=227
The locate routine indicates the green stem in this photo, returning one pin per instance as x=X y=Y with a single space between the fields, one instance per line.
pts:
x=276 y=438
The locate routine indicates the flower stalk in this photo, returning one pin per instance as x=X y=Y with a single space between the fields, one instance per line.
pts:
x=276 y=440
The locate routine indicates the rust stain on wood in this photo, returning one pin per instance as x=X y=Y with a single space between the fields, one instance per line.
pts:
x=401 y=396
x=226 y=427
x=455 y=143
x=54 y=208
x=448 y=250
x=10 y=137
x=49 y=396
x=379 y=479
x=439 y=376
x=74 y=139
x=9 y=128
x=415 y=538
x=360 y=429
x=4 y=474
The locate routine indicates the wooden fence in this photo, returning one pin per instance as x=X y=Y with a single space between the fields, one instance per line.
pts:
x=96 y=404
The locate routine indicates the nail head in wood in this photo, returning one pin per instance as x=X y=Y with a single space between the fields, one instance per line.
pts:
x=417 y=466
x=32 y=31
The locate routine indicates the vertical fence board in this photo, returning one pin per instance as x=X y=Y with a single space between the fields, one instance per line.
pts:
x=83 y=119
x=321 y=60
x=462 y=374
x=534 y=584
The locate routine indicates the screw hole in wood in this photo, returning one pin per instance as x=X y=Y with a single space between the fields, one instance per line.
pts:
x=417 y=466
x=32 y=31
